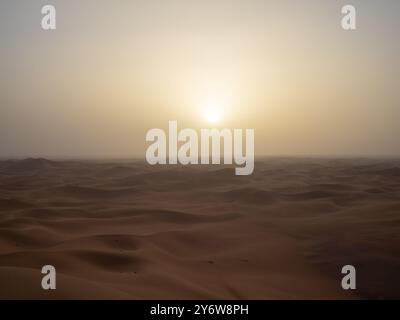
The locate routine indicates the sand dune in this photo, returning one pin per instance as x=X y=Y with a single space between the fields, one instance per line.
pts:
x=126 y=230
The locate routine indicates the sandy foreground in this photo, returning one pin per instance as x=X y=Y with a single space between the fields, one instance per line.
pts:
x=127 y=230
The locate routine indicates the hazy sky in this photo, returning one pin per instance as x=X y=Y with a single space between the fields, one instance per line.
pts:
x=114 y=69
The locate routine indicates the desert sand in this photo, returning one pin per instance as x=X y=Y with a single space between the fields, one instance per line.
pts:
x=127 y=230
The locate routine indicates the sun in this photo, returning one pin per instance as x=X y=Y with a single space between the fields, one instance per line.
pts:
x=212 y=112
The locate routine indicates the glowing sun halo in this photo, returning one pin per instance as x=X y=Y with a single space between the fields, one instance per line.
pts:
x=212 y=112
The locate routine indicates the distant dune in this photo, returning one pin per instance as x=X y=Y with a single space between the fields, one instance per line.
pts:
x=133 y=231
x=30 y=165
